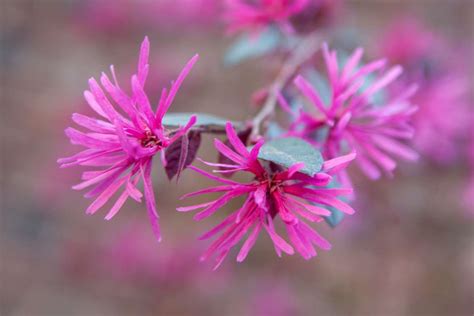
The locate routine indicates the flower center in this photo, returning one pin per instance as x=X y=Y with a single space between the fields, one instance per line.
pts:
x=272 y=183
x=150 y=140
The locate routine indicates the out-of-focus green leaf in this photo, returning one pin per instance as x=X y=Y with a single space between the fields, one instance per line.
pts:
x=274 y=130
x=335 y=218
x=247 y=46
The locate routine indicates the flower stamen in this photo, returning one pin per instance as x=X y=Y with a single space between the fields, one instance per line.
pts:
x=150 y=140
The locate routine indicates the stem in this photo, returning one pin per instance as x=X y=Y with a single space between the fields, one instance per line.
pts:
x=306 y=48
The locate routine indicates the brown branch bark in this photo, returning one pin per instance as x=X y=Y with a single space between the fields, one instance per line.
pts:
x=307 y=48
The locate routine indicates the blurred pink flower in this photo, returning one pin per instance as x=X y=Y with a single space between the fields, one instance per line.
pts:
x=443 y=86
x=270 y=194
x=186 y=12
x=130 y=256
x=353 y=121
x=254 y=16
x=318 y=13
x=442 y=118
x=124 y=145
x=407 y=40
x=113 y=16
x=130 y=259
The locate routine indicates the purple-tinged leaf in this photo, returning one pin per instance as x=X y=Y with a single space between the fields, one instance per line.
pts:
x=182 y=153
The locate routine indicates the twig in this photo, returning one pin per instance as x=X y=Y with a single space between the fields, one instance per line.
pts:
x=307 y=48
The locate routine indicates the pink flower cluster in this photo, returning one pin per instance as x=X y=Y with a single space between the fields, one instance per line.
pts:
x=125 y=140
x=118 y=16
x=284 y=194
x=352 y=120
x=244 y=15
x=443 y=117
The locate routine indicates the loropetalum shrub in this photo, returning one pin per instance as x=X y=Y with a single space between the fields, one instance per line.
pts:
x=296 y=169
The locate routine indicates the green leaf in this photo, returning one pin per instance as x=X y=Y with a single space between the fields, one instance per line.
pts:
x=180 y=119
x=289 y=151
x=247 y=46
x=335 y=218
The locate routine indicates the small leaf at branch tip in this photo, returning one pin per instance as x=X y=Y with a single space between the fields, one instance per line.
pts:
x=176 y=162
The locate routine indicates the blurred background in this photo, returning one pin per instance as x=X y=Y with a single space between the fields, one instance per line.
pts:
x=408 y=251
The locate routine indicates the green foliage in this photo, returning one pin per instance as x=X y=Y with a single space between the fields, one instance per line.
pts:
x=203 y=120
x=289 y=151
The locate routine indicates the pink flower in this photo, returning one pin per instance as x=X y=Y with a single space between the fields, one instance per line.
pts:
x=353 y=121
x=287 y=195
x=119 y=16
x=130 y=256
x=443 y=95
x=407 y=41
x=442 y=119
x=257 y=15
x=125 y=141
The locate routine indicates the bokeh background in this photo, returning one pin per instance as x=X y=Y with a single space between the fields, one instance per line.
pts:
x=408 y=251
